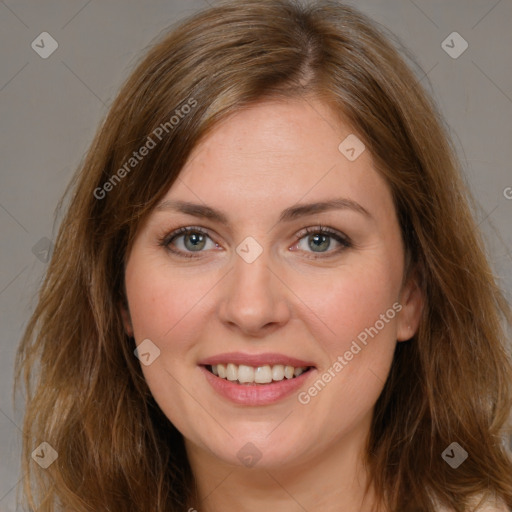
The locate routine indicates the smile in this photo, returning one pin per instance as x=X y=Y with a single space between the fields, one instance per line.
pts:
x=244 y=374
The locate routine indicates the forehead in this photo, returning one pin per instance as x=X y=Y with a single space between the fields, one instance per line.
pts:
x=270 y=136
x=278 y=153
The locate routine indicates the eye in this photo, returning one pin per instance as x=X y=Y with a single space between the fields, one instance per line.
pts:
x=320 y=240
x=187 y=240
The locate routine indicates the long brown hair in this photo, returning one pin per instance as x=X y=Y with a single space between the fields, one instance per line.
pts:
x=86 y=393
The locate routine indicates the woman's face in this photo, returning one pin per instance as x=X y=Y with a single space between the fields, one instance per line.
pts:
x=254 y=286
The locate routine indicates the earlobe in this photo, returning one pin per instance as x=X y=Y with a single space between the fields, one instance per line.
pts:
x=412 y=301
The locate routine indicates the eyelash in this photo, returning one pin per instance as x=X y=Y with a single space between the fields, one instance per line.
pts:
x=343 y=240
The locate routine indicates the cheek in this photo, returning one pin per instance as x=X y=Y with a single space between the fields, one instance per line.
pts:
x=161 y=298
x=351 y=301
x=165 y=307
x=357 y=332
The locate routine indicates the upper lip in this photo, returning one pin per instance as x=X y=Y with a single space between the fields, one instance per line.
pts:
x=255 y=360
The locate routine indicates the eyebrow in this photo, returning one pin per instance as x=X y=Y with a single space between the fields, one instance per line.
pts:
x=287 y=215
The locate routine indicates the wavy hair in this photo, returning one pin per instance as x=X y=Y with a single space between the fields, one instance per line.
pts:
x=86 y=395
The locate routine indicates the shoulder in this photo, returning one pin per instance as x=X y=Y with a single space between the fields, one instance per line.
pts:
x=488 y=505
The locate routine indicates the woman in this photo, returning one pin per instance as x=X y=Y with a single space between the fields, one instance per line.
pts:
x=269 y=288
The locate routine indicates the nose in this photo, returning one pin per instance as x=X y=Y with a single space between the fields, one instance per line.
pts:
x=255 y=301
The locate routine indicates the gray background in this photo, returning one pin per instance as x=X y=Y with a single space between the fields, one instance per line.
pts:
x=50 y=109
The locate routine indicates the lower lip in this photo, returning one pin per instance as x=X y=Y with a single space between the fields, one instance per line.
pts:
x=257 y=394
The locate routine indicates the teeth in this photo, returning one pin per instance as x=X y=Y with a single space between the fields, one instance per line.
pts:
x=221 y=370
x=260 y=375
x=245 y=373
x=231 y=372
x=278 y=372
x=297 y=372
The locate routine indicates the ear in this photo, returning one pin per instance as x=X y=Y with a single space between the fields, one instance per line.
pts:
x=127 y=321
x=412 y=301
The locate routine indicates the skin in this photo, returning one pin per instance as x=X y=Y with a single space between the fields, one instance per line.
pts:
x=251 y=167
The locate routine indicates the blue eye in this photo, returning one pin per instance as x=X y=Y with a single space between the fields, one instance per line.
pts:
x=190 y=239
x=319 y=240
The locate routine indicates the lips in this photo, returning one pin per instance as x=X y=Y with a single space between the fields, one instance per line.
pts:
x=251 y=390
